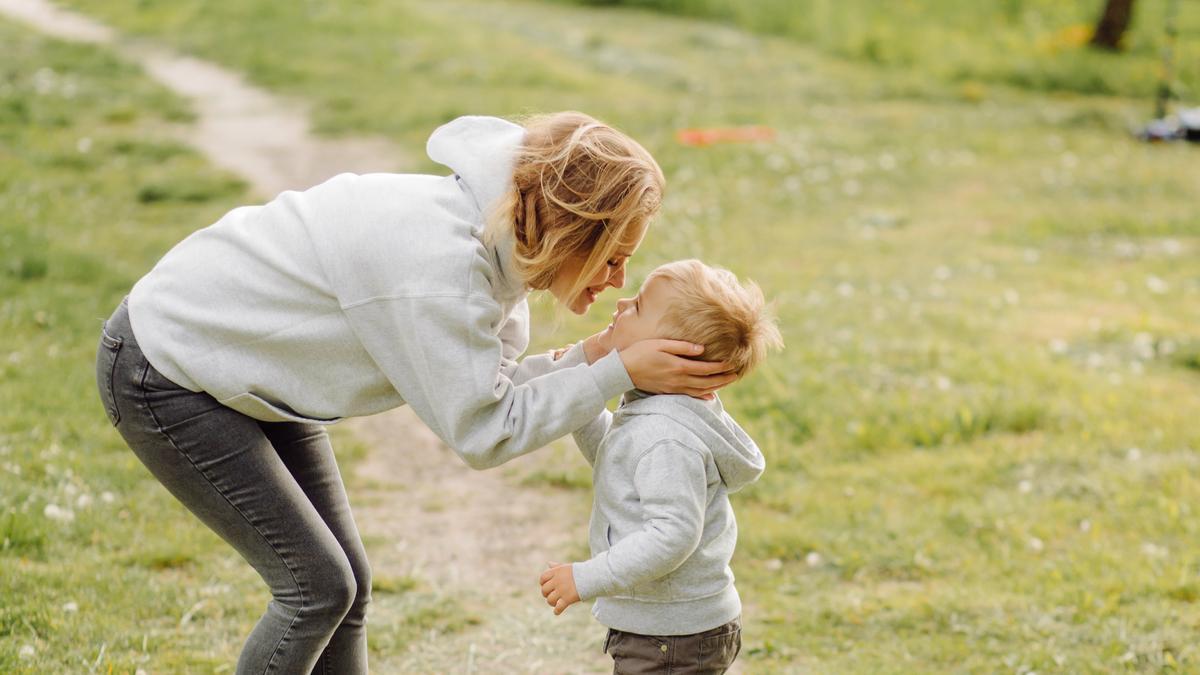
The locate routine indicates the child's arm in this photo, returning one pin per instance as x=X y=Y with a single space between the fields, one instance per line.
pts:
x=515 y=337
x=672 y=485
x=588 y=437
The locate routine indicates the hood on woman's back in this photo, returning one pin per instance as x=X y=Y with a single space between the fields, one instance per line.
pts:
x=480 y=150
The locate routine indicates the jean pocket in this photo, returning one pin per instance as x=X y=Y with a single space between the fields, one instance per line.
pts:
x=717 y=652
x=633 y=653
x=106 y=367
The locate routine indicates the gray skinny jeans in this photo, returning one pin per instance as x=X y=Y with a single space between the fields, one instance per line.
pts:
x=271 y=490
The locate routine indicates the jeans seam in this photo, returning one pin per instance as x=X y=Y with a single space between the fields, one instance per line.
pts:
x=265 y=538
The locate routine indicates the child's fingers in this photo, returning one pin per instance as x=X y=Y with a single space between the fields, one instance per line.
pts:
x=553 y=598
x=546 y=576
x=560 y=607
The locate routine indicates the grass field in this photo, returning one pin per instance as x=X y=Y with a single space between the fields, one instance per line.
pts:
x=981 y=439
x=1031 y=44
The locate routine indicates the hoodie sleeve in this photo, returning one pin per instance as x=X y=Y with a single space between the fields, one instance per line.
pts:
x=439 y=354
x=514 y=336
x=588 y=437
x=671 y=485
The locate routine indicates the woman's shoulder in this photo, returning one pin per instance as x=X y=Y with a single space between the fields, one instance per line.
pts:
x=397 y=233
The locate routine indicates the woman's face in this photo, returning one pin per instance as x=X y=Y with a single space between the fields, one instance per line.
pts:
x=612 y=274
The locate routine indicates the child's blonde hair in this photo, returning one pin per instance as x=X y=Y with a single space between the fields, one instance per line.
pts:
x=580 y=189
x=714 y=309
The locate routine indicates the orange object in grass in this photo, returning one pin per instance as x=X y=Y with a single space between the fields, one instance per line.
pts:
x=712 y=136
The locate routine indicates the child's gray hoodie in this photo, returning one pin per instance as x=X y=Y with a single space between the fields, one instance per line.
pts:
x=662 y=530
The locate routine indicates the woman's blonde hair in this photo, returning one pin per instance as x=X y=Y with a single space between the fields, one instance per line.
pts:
x=580 y=189
x=712 y=308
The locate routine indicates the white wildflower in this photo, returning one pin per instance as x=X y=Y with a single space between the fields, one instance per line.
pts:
x=813 y=559
x=1152 y=550
x=57 y=513
x=1143 y=346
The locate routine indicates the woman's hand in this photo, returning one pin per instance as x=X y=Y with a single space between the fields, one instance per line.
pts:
x=656 y=366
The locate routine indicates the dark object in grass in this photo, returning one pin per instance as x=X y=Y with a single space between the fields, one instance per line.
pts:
x=1182 y=126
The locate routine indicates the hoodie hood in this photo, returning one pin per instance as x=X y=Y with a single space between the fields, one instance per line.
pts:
x=738 y=459
x=481 y=151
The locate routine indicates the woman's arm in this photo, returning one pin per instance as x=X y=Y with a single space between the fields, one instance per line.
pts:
x=588 y=437
x=514 y=336
x=438 y=352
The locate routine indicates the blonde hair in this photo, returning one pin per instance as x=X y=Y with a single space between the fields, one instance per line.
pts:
x=580 y=189
x=713 y=309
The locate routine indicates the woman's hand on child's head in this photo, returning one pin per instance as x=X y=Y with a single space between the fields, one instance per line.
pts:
x=558 y=586
x=659 y=367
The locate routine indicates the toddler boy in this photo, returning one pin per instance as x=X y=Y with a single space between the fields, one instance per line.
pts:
x=662 y=531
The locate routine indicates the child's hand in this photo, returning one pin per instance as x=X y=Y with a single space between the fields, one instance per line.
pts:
x=558 y=587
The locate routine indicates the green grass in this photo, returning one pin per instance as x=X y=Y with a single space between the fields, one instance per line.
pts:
x=1039 y=45
x=981 y=440
x=100 y=569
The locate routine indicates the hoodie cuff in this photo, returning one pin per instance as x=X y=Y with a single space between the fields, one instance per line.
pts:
x=610 y=375
x=575 y=356
x=592 y=578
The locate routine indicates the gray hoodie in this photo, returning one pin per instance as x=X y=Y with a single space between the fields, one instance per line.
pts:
x=662 y=530
x=367 y=292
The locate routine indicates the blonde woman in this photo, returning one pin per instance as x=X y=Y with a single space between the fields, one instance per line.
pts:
x=359 y=295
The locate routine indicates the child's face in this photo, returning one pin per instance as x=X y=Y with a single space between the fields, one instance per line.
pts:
x=637 y=318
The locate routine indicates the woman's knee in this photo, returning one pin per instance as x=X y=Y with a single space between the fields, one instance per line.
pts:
x=331 y=587
x=362 y=581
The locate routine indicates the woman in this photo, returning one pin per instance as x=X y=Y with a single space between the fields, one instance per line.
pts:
x=359 y=295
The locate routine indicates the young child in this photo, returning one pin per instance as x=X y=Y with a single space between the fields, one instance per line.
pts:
x=662 y=531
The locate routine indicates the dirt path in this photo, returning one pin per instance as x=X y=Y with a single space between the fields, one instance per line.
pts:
x=478 y=536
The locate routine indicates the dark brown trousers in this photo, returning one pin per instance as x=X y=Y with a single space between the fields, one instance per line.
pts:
x=707 y=653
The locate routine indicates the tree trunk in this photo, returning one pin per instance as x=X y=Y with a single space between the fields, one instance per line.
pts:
x=1111 y=27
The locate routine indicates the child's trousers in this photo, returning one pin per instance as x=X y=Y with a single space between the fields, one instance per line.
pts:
x=707 y=653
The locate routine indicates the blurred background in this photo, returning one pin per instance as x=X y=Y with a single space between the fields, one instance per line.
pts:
x=981 y=438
